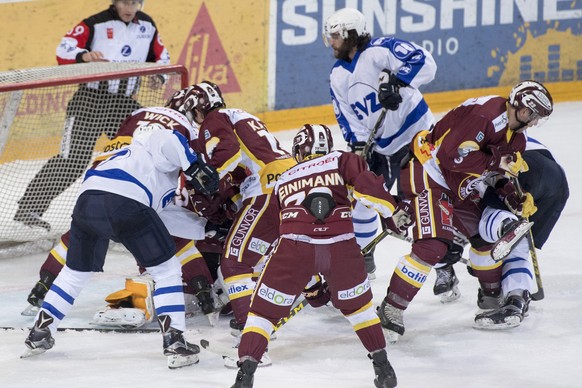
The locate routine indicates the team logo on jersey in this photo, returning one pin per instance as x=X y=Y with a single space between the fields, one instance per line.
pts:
x=245 y=223
x=446 y=210
x=480 y=136
x=259 y=246
x=126 y=50
x=142 y=29
x=500 y=122
x=110 y=33
x=401 y=49
x=424 y=212
x=354 y=292
x=238 y=288
x=405 y=69
x=274 y=296
x=466 y=147
x=468 y=186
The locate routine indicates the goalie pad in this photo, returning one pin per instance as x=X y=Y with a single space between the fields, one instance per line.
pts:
x=124 y=317
x=131 y=307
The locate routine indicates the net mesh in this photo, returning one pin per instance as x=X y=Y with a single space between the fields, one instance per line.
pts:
x=53 y=122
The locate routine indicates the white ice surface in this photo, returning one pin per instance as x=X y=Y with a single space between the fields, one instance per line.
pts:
x=318 y=348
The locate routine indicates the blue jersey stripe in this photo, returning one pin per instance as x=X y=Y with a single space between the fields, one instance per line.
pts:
x=417 y=113
x=120 y=175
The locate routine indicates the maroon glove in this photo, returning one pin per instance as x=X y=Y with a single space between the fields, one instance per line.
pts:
x=508 y=194
x=209 y=207
x=317 y=295
x=507 y=162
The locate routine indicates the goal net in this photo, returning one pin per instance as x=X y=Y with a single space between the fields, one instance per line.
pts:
x=53 y=122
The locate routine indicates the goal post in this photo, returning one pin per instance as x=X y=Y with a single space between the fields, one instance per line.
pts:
x=53 y=121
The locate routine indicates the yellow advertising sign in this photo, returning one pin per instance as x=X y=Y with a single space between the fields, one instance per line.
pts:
x=223 y=41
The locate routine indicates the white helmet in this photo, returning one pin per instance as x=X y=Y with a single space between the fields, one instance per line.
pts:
x=344 y=20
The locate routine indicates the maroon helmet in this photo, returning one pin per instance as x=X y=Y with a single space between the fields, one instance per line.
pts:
x=312 y=139
x=532 y=95
x=203 y=97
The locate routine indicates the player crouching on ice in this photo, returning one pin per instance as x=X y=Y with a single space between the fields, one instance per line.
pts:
x=120 y=200
x=314 y=199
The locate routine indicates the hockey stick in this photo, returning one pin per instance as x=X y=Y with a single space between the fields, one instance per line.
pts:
x=539 y=295
x=386 y=232
x=94 y=329
x=372 y=137
x=292 y=313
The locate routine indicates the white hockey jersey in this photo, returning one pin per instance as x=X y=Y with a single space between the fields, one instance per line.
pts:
x=354 y=93
x=147 y=170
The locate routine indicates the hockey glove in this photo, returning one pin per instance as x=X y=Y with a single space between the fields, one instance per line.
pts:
x=389 y=90
x=209 y=207
x=529 y=207
x=520 y=205
x=401 y=220
x=216 y=232
x=508 y=163
x=357 y=147
x=202 y=176
x=317 y=295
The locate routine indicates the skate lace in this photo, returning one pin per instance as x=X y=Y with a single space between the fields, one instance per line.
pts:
x=393 y=314
x=444 y=275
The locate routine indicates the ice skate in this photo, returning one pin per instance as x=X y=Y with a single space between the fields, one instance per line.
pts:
x=446 y=284
x=39 y=339
x=385 y=376
x=512 y=232
x=202 y=291
x=488 y=300
x=510 y=315
x=246 y=374
x=38 y=293
x=180 y=353
x=392 y=320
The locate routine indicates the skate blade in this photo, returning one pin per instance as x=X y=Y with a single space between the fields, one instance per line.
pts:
x=30 y=311
x=231 y=363
x=177 y=361
x=450 y=296
x=489 y=324
x=32 y=352
x=503 y=247
x=391 y=336
x=213 y=318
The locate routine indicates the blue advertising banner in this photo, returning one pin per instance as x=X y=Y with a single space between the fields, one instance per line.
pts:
x=476 y=43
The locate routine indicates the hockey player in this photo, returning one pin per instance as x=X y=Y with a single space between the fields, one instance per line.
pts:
x=481 y=137
x=547 y=183
x=119 y=200
x=360 y=101
x=233 y=138
x=317 y=236
x=195 y=272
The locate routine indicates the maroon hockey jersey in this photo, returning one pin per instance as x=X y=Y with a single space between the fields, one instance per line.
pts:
x=315 y=196
x=233 y=137
x=457 y=152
